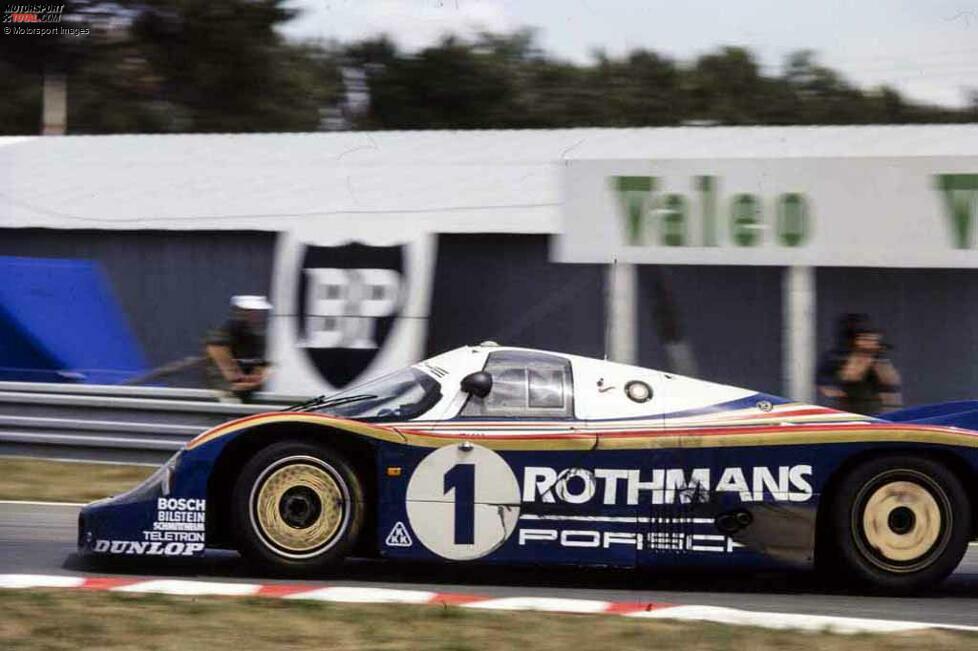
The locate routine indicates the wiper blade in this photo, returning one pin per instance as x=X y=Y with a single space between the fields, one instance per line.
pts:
x=346 y=400
x=299 y=406
x=321 y=402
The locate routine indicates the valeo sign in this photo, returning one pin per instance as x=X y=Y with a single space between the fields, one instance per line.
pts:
x=960 y=192
x=665 y=218
x=913 y=212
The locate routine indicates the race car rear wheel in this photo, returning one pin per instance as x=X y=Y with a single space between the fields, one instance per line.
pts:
x=297 y=507
x=900 y=523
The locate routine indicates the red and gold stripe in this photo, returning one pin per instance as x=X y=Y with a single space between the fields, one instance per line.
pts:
x=619 y=435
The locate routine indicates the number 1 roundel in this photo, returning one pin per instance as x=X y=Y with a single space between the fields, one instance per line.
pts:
x=463 y=502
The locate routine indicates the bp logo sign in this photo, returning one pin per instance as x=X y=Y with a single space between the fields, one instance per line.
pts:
x=348 y=298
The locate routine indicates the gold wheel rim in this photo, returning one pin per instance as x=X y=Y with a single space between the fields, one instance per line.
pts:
x=902 y=521
x=269 y=507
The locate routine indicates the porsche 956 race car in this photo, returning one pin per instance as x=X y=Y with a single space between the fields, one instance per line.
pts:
x=507 y=455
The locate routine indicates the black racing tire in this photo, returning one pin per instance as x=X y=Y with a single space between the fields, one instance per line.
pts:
x=898 y=524
x=297 y=508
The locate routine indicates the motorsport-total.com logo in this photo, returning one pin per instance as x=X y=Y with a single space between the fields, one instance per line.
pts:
x=35 y=19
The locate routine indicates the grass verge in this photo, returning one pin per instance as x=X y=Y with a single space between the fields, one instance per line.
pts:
x=54 y=619
x=65 y=481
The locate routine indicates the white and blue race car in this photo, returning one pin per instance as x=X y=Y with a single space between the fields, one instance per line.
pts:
x=498 y=454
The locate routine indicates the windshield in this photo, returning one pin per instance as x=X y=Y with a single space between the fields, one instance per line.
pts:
x=402 y=395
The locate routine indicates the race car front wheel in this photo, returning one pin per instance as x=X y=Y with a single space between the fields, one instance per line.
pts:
x=297 y=507
x=900 y=523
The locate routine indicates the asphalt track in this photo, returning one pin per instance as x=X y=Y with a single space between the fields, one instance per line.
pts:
x=40 y=539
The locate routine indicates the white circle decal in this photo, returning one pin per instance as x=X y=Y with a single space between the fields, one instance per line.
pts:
x=463 y=502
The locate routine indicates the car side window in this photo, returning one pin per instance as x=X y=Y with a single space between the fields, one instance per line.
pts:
x=525 y=385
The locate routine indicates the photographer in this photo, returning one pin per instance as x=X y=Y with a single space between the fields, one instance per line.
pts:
x=828 y=366
x=865 y=376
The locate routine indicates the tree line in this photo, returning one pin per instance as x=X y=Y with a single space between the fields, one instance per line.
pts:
x=180 y=66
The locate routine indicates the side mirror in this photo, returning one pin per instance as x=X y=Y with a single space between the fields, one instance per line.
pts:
x=478 y=384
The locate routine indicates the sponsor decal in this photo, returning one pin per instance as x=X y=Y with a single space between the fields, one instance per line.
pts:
x=178 y=530
x=464 y=502
x=348 y=300
x=641 y=540
x=178 y=519
x=399 y=536
x=622 y=486
x=147 y=548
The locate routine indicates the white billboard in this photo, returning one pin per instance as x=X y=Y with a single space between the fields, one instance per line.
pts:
x=865 y=212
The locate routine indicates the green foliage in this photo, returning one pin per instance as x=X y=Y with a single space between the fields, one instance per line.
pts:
x=153 y=66
x=173 y=66
x=224 y=65
x=506 y=82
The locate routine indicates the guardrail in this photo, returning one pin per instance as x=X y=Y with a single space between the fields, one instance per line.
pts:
x=113 y=423
x=120 y=391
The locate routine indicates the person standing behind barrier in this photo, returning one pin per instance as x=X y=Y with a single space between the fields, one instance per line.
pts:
x=828 y=366
x=869 y=380
x=236 y=350
x=857 y=375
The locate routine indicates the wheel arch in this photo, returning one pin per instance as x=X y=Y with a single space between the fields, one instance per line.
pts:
x=360 y=452
x=943 y=455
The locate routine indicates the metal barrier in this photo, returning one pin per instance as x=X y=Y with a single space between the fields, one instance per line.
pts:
x=112 y=423
x=121 y=391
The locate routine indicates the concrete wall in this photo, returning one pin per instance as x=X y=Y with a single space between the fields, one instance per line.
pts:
x=504 y=288
x=731 y=317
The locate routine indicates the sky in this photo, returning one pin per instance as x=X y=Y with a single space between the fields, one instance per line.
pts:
x=928 y=49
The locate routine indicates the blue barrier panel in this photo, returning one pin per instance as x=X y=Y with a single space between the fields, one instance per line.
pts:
x=60 y=322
